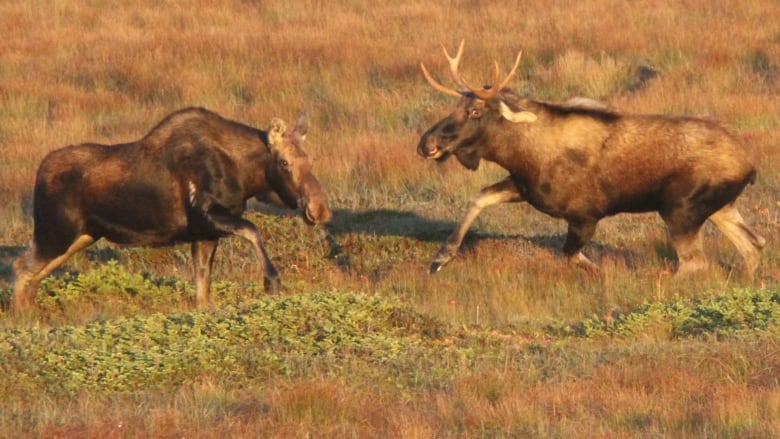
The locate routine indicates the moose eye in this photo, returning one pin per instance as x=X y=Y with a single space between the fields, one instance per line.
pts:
x=284 y=164
x=475 y=113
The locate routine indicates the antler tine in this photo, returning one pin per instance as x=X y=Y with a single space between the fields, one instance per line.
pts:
x=464 y=86
x=454 y=64
x=508 y=77
x=498 y=74
x=436 y=85
x=496 y=87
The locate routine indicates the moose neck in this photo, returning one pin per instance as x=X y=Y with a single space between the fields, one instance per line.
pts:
x=509 y=145
x=256 y=181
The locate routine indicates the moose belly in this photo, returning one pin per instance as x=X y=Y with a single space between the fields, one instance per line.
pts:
x=132 y=224
x=589 y=198
x=573 y=200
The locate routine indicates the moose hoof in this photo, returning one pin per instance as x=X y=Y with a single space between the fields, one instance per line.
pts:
x=272 y=285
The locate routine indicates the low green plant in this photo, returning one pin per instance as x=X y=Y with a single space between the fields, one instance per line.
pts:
x=740 y=313
x=269 y=336
x=107 y=282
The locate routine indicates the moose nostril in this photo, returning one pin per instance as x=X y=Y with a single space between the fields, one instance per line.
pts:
x=314 y=217
x=427 y=149
x=317 y=213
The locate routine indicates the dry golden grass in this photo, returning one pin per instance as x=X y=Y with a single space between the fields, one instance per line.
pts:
x=687 y=390
x=109 y=71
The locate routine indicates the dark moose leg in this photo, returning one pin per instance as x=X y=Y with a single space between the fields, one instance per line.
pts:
x=203 y=262
x=579 y=234
x=245 y=229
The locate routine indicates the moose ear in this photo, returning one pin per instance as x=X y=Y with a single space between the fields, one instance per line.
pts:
x=302 y=125
x=516 y=116
x=276 y=131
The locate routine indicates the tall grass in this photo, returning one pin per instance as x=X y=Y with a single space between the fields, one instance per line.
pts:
x=108 y=71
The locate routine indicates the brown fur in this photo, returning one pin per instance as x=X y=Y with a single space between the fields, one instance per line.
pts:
x=583 y=161
x=188 y=180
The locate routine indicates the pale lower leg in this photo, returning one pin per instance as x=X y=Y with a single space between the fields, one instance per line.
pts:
x=28 y=274
x=748 y=243
x=505 y=191
x=203 y=261
x=271 y=281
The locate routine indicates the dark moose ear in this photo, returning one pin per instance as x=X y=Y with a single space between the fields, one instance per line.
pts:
x=468 y=157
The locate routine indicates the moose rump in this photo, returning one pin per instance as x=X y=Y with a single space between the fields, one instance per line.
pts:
x=188 y=180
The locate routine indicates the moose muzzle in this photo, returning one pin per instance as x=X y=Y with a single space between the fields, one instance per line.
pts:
x=429 y=147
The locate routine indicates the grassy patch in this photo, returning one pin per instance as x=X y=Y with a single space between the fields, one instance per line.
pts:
x=740 y=313
x=268 y=337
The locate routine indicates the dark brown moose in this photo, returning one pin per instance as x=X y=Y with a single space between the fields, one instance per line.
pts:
x=583 y=161
x=188 y=180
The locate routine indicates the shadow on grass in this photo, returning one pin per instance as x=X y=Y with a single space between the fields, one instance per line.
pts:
x=388 y=222
x=7 y=255
x=594 y=250
x=381 y=222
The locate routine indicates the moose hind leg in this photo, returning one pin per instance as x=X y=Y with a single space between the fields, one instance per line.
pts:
x=25 y=267
x=579 y=234
x=505 y=191
x=748 y=243
x=31 y=268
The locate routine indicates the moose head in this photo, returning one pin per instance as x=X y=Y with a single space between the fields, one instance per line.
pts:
x=461 y=132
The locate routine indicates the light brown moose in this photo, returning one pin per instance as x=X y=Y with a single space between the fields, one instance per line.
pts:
x=583 y=162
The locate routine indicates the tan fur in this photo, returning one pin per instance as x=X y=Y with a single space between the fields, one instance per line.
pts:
x=584 y=160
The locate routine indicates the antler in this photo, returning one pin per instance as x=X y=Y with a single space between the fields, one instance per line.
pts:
x=464 y=86
x=454 y=64
x=438 y=86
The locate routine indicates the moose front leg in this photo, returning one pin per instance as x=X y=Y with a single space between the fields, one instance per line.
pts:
x=505 y=191
x=579 y=233
x=203 y=262
x=247 y=230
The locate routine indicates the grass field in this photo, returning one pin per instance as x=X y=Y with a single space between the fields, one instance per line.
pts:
x=508 y=340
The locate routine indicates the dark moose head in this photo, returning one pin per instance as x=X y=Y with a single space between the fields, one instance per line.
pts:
x=290 y=174
x=461 y=133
